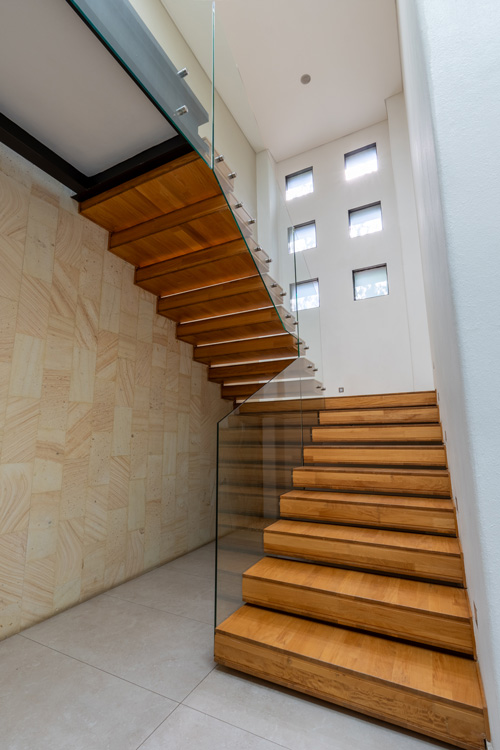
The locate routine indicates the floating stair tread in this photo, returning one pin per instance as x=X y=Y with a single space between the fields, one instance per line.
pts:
x=448 y=601
x=379 y=416
x=373 y=549
x=379 y=433
x=167 y=188
x=407 y=455
x=444 y=505
x=412 y=686
x=441 y=545
x=397 y=480
x=414 y=398
x=412 y=513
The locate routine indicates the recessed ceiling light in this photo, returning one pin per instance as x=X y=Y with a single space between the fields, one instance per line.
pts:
x=306 y=78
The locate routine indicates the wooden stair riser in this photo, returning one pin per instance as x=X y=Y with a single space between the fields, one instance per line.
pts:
x=417 y=398
x=420 y=414
x=364 y=610
x=366 y=510
x=202 y=330
x=368 y=555
x=406 y=433
x=376 y=455
x=436 y=483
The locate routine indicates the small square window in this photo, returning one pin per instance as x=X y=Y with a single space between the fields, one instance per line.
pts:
x=302 y=237
x=299 y=184
x=362 y=161
x=304 y=295
x=370 y=282
x=365 y=220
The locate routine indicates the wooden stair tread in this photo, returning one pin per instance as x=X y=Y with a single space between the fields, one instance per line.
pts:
x=412 y=686
x=441 y=545
x=413 y=398
x=159 y=191
x=434 y=455
x=448 y=601
x=444 y=505
x=379 y=416
x=397 y=480
x=435 y=516
x=410 y=667
x=379 y=433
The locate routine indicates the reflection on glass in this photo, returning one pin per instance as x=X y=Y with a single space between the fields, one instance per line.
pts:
x=370 y=282
x=360 y=162
x=299 y=184
x=304 y=295
x=302 y=237
x=365 y=220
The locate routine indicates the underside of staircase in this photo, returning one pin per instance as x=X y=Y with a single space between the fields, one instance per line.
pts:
x=361 y=599
x=192 y=247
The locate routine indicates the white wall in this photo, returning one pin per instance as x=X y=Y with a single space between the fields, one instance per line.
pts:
x=375 y=345
x=451 y=63
x=229 y=138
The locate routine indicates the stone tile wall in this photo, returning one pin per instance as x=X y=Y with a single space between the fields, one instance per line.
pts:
x=107 y=426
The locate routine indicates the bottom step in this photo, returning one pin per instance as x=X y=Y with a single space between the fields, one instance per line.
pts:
x=423 y=690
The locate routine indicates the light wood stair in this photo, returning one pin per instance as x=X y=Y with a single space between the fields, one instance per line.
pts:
x=192 y=247
x=361 y=599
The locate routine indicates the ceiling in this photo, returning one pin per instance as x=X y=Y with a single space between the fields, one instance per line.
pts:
x=61 y=85
x=350 y=49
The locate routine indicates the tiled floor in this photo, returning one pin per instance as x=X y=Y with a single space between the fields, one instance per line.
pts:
x=133 y=669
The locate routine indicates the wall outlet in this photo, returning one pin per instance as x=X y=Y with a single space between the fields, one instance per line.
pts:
x=341 y=390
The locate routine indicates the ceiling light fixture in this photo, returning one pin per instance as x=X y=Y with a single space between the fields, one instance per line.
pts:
x=306 y=78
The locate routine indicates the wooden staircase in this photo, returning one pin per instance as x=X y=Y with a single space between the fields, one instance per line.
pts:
x=361 y=599
x=193 y=248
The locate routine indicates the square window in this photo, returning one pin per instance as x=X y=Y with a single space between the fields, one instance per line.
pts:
x=302 y=237
x=370 y=282
x=304 y=295
x=299 y=184
x=365 y=220
x=362 y=161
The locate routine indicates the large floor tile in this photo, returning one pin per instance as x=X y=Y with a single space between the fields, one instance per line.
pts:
x=186 y=729
x=201 y=562
x=171 y=591
x=52 y=702
x=153 y=649
x=296 y=722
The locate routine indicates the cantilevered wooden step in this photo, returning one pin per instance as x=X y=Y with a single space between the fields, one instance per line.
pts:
x=395 y=552
x=383 y=433
x=231 y=327
x=379 y=455
x=162 y=190
x=265 y=347
x=413 y=610
x=412 y=686
x=414 y=398
x=240 y=373
x=426 y=514
x=216 y=265
x=220 y=299
x=394 y=481
x=415 y=414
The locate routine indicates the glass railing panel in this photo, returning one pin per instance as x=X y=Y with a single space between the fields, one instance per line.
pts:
x=305 y=297
x=147 y=40
x=236 y=139
x=259 y=444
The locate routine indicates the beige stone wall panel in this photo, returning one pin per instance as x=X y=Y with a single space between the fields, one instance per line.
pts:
x=107 y=426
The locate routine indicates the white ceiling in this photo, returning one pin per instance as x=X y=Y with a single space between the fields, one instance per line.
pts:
x=349 y=48
x=59 y=83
